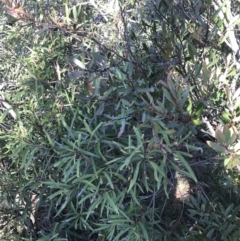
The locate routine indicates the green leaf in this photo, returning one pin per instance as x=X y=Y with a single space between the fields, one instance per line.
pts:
x=217 y=147
x=144 y=90
x=51 y=142
x=165 y=186
x=223 y=39
x=186 y=165
x=227 y=161
x=96 y=202
x=99 y=152
x=108 y=179
x=168 y=96
x=220 y=137
x=158 y=168
x=129 y=158
x=103 y=61
x=121 y=76
x=112 y=203
x=144 y=231
x=226 y=115
x=122 y=128
x=191 y=51
x=228 y=210
x=100 y=109
x=149 y=97
x=189 y=106
x=95 y=130
x=63 y=206
x=139 y=138
x=206 y=73
x=133 y=195
x=134 y=179
x=87 y=127
x=76 y=12
x=196 y=121
x=121 y=233
x=229 y=134
x=67 y=11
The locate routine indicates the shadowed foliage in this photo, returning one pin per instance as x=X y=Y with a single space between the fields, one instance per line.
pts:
x=119 y=120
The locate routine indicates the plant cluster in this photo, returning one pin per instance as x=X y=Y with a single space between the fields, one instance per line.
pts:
x=118 y=121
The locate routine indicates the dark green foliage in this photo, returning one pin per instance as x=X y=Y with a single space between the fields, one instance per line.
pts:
x=102 y=113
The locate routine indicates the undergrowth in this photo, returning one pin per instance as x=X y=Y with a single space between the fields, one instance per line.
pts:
x=118 y=122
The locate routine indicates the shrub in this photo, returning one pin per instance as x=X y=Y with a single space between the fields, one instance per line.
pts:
x=101 y=114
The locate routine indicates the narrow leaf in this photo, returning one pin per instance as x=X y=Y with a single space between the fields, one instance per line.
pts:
x=134 y=179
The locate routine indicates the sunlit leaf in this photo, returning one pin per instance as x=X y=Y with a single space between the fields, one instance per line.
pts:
x=220 y=137
x=189 y=107
x=79 y=63
x=196 y=121
x=226 y=115
x=216 y=147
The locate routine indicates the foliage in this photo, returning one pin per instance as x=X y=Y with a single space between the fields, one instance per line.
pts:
x=102 y=108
